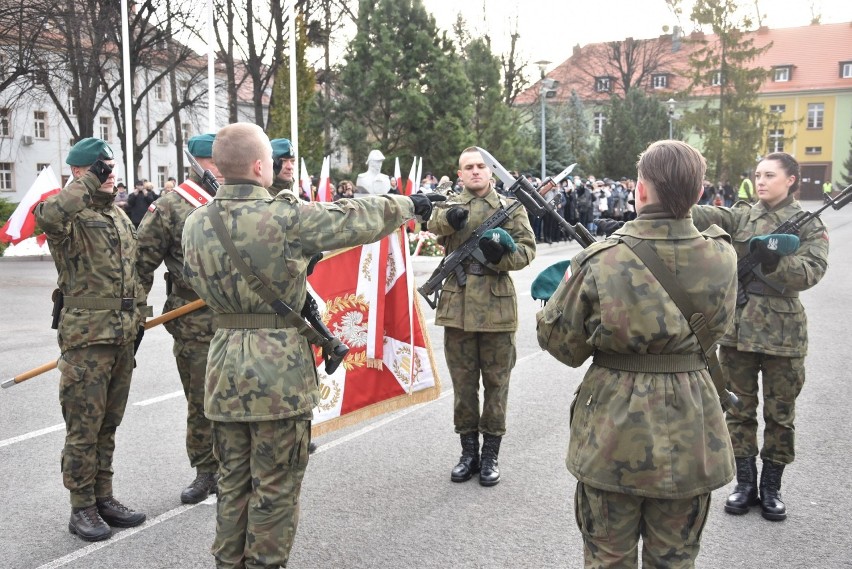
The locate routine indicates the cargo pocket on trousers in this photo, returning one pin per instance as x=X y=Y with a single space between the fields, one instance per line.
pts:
x=590 y=511
x=301 y=441
x=697 y=519
x=72 y=390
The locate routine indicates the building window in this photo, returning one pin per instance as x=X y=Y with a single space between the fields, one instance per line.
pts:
x=101 y=90
x=846 y=70
x=716 y=80
x=777 y=108
x=40 y=124
x=72 y=106
x=6 y=177
x=603 y=84
x=162 y=176
x=105 y=124
x=659 y=81
x=162 y=136
x=598 y=122
x=2 y=66
x=5 y=125
x=160 y=90
x=40 y=167
x=815 y=113
x=186 y=130
x=813 y=149
x=776 y=140
x=781 y=74
x=183 y=86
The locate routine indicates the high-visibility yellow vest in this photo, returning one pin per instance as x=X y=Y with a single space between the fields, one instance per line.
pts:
x=746 y=189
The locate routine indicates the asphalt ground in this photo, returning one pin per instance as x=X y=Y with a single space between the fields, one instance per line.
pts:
x=378 y=495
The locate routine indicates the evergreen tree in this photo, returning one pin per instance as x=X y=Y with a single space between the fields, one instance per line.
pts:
x=311 y=145
x=578 y=134
x=846 y=178
x=732 y=122
x=633 y=124
x=402 y=88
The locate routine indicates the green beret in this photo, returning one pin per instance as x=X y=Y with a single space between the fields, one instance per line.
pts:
x=87 y=151
x=281 y=148
x=201 y=146
x=546 y=282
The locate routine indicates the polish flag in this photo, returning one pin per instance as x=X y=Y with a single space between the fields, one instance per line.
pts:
x=419 y=175
x=305 y=182
x=397 y=177
x=324 y=191
x=366 y=300
x=410 y=184
x=22 y=222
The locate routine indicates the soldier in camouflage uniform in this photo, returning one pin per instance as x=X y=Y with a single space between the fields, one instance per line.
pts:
x=769 y=335
x=261 y=376
x=647 y=445
x=160 y=241
x=283 y=161
x=93 y=244
x=480 y=316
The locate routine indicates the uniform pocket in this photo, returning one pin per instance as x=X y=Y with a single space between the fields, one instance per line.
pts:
x=504 y=310
x=697 y=519
x=72 y=390
x=590 y=510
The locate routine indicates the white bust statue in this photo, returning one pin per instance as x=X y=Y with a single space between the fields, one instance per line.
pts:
x=373 y=181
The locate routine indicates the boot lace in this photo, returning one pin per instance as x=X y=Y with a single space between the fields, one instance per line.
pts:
x=115 y=504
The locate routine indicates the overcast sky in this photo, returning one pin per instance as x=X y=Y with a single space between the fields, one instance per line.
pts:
x=549 y=29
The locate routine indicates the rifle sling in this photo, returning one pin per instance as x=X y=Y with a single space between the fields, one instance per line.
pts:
x=696 y=319
x=259 y=287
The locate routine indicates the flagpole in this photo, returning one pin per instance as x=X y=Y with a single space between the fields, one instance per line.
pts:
x=211 y=70
x=294 y=97
x=128 y=97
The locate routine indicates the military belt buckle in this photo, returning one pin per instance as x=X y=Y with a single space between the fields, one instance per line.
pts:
x=127 y=304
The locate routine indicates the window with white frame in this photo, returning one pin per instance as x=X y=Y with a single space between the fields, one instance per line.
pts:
x=716 y=80
x=105 y=126
x=186 y=130
x=815 y=115
x=2 y=65
x=41 y=166
x=160 y=90
x=5 y=123
x=660 y=81
x=6 y=175
x=777 y=108
x=781 y=74
x=776 y=140
x=603 y=84
x=598 y=122
x=163 y=136
x=846 y=70
x=101 y=90
x=72 y=106
x=183 y=86
x=40 y=124
x=162 y=176
x=813 y=149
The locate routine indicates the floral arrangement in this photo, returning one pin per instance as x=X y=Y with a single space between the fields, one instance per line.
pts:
x=424 y=244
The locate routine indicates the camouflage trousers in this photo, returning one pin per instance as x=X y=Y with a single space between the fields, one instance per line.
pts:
x=191 y=358
x=93 y=390
x=782 y=381
x=612 y=523
x=261 y=466
x=469 y=355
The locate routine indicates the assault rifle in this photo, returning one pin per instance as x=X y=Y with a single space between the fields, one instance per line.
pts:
x=746 y=267
x=309 y=322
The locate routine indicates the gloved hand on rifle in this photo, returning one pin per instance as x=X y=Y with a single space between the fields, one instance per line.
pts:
x=768 y=249
x=457 y=217
x=423 y=204
x=102 y=170
x=495 y=243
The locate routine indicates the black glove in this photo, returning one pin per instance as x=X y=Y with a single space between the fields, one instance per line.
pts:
x=102 y=170
x=495 y=243
x=313 y=262
x=457 y=217
x=423 y=204
x=609 y=226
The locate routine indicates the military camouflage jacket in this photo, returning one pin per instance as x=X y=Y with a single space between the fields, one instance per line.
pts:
x=160 y=240
x=265 y=374
x=487 y=303
x=655 y=434
x=771 y=325
x=93 y=244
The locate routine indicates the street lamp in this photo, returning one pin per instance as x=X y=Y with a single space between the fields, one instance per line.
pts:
x=547 y=87
x=671 y=103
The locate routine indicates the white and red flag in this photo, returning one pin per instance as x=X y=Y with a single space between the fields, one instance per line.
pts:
x=22 y=222
x=324 y=191
x=397 y=176
x=411 y=183
x=367 y=302
x=305 y=181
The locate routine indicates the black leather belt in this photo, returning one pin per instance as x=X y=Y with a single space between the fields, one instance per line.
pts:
x=479 y=270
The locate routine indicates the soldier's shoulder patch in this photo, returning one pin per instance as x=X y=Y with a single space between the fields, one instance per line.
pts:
x=153 y=206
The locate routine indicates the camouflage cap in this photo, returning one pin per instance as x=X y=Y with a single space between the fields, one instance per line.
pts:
x=281 y=148
x=201 y=146
x=87 y=151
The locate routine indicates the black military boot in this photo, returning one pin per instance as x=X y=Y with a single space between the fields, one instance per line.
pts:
x=745 y=493
x=198 y=490
x=469 y=460
x=86 y=523
x=117 y=514
x=771 y=505
x=490 y=474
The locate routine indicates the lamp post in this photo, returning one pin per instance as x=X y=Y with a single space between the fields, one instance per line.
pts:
x=542 y=65
x=671 y=103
